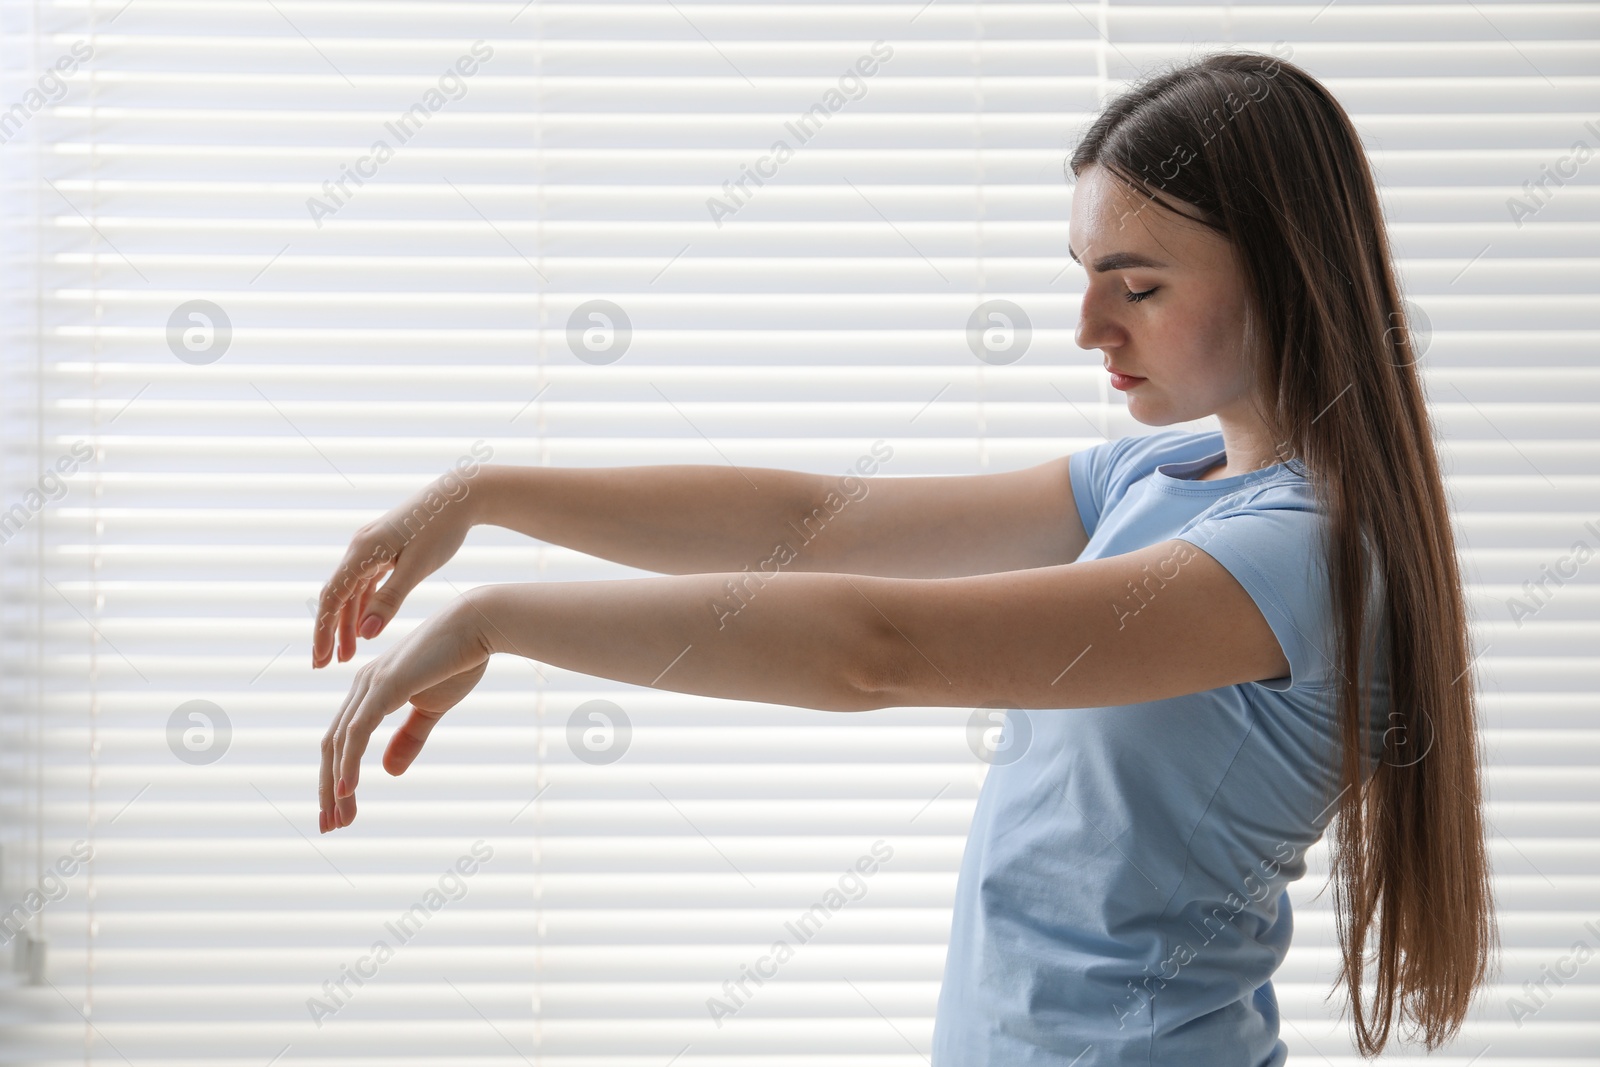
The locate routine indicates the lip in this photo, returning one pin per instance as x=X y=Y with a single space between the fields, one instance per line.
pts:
x=1124 y=381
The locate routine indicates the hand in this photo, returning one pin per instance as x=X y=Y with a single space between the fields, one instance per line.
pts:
x=434 y=667
x=413 y=540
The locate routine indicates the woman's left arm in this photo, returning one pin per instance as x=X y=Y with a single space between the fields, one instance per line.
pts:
x=1149 y=624
x=796 y=638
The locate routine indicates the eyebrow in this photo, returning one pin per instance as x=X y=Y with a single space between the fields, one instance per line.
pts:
x=1119 y=261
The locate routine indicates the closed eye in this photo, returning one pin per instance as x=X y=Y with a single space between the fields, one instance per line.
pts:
x=1134 y=298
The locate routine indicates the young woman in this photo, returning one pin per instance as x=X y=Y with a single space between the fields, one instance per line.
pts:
x=1212 y=644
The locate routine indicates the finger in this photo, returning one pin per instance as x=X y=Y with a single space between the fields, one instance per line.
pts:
x=331 y=607
x=320 y=628
x=347 y=631
x=325 y=783
x=382 y=604
x=356 y=608
x=347 y=618
x=344 y=801
x=427 y=708
x=358 y=604
x=341 y=725
x=366 y=596
x=409 y=739
x=362 y=560
x=374 y=705
x=344 y=811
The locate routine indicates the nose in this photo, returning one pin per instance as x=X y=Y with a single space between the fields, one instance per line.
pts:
x=1095 y=329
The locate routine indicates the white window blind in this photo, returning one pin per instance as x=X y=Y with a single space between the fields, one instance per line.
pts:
x=270 y=266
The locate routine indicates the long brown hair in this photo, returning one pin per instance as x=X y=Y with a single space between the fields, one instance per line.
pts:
x=1266 y=157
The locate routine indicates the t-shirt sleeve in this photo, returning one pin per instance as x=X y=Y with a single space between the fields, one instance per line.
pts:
x=1272 y=544
x=1090 y=469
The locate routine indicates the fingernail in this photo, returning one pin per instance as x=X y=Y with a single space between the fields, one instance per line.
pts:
x=370 y=626
x=338 y=789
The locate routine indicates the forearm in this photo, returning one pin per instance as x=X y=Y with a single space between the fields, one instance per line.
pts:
x=698 y=519
x=796 y=639
x=673 y=518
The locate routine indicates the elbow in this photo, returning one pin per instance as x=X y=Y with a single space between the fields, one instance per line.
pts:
x=877 y=673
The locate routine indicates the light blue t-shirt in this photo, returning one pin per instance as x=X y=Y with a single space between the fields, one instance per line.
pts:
x=1122 y=895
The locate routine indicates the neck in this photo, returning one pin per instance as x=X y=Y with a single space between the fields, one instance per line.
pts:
x=1246 y=446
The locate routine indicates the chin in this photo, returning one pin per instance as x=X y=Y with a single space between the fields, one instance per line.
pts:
x=1154 y=414
x=1150 y=412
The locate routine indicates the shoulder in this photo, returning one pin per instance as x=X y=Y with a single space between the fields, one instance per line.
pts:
x=1272 y=537
x=1278 y=516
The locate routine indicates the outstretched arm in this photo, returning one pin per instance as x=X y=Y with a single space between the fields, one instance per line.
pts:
x=688 y=519
x=1154 y=623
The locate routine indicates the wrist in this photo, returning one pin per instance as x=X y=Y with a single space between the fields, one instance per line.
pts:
x=478 y=613
x=484 y=490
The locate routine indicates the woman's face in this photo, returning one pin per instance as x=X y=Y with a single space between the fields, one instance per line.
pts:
x=1185 y=339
